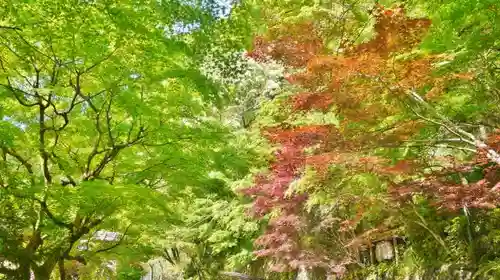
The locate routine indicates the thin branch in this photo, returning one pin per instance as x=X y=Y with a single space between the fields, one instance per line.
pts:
x=423 y=224
x=458 y=130
x=150 y=167
x=10 y=27
x=493 y=155
x=18 y=98
x=476 y=142
x=23 y=58
x=79 y=92
x=89 y=97
x=441 y=125
x=45 y=209
x=88 y=69
x=108 y=157
x=14 y=90
x=114 y=151
x=42 y=148
x=22 y=160
x=108 y=122
x=444 y=146
x=31 y=46
x=56 y=159
x=95 y=150
x=450 y=140
x=64 y=114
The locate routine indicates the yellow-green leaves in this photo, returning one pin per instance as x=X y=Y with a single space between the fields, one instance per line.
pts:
x=104 y=119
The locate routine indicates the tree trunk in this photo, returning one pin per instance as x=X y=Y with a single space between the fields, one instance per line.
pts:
x=62 y=271
x=43 y=272
x=42 y=276
x=24 y=271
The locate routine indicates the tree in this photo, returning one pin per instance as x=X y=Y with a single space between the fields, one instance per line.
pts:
x=104 y=120
x=393 y=116
x=217 y=236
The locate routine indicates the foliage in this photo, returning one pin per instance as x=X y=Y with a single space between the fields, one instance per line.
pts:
x=344 y=124
x=411 y=146
x=106 y=117
x=216 y=236
x=248 y=84
x=130 y=273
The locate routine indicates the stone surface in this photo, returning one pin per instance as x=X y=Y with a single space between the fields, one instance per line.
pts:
x=384 y=251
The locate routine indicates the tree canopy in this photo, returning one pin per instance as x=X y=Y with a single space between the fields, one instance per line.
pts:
x=105 y=117
x=386 y=130
x=250 y=139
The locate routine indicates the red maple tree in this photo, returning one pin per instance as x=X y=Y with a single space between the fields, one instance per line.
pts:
x=281 y=240
x=366 y=85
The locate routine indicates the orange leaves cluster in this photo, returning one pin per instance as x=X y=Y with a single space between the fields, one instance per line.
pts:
x=312 y=101
x=293 y=45
x=452 y=195
x=402 y=167
x=439 y=83
x=415 y=73
x=365 y=81
x=321 y=162
x=301 y=136
x=395 y=32
x=449 y=195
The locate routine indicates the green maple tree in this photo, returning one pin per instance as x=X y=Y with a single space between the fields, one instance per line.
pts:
x=105 y=116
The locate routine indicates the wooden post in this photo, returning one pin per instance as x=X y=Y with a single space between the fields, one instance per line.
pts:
x=372 y=257
x=396 y=252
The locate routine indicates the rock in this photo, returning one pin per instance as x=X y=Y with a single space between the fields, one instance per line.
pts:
x=384 y=251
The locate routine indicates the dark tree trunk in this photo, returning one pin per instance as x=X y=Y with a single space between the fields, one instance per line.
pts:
x=42 y=275
x=62 y=271
x=24 y=270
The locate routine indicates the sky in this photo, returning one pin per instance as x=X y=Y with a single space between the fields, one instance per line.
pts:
x=220 y=9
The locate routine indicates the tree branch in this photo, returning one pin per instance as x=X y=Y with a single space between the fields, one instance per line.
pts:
x=95 y=150
x=31 y=46
x=70 y=181
x=45 y=209
x=23 y=161
x=14 y=90
x=10 y=27
x=437 y=145
x=42 y=148
x=88 y=69
x=114 y=151
x=108 y=122
x=460 y=133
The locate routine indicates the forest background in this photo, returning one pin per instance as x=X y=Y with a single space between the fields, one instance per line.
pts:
x=259 y=139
